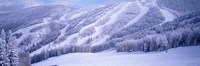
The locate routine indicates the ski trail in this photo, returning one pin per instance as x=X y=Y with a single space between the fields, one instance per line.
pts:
x=113 y=18
x=70 y=38
x=166 y=14
x=77 y=15
x=62 y=31
x=26 y=31
x=143 y=11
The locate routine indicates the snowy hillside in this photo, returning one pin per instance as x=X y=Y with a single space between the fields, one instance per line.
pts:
x=180 y=7
x=29 y=16
x=182 y=56
x=141 y=25
x=33 y=25
x=105 y=22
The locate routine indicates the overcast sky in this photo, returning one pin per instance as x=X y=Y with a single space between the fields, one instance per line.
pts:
x=12 y=5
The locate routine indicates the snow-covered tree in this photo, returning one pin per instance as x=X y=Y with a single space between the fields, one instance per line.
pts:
x=3 y=57
x=12 y=53
x=8 y=54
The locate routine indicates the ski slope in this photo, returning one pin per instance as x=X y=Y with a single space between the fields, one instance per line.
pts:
x=182 y=56
x=143 y=11
x=77 y=15
x=113 y=14
x=167 y=14
x=26 y=31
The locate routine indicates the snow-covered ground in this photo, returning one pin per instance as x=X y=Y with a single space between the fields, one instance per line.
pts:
x=182 y=56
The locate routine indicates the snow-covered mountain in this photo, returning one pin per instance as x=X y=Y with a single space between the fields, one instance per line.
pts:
x=139 y=25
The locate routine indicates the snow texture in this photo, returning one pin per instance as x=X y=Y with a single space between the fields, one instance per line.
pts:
x=182 y=56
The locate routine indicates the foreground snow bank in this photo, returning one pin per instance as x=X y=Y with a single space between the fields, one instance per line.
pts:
x=182 y=56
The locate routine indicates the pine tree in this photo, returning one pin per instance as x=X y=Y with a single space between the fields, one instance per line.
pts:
x=4 y=61
x=3 y=56
x=12 y=54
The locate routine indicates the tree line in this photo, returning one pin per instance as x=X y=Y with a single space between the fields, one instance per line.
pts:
x=9 y=53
